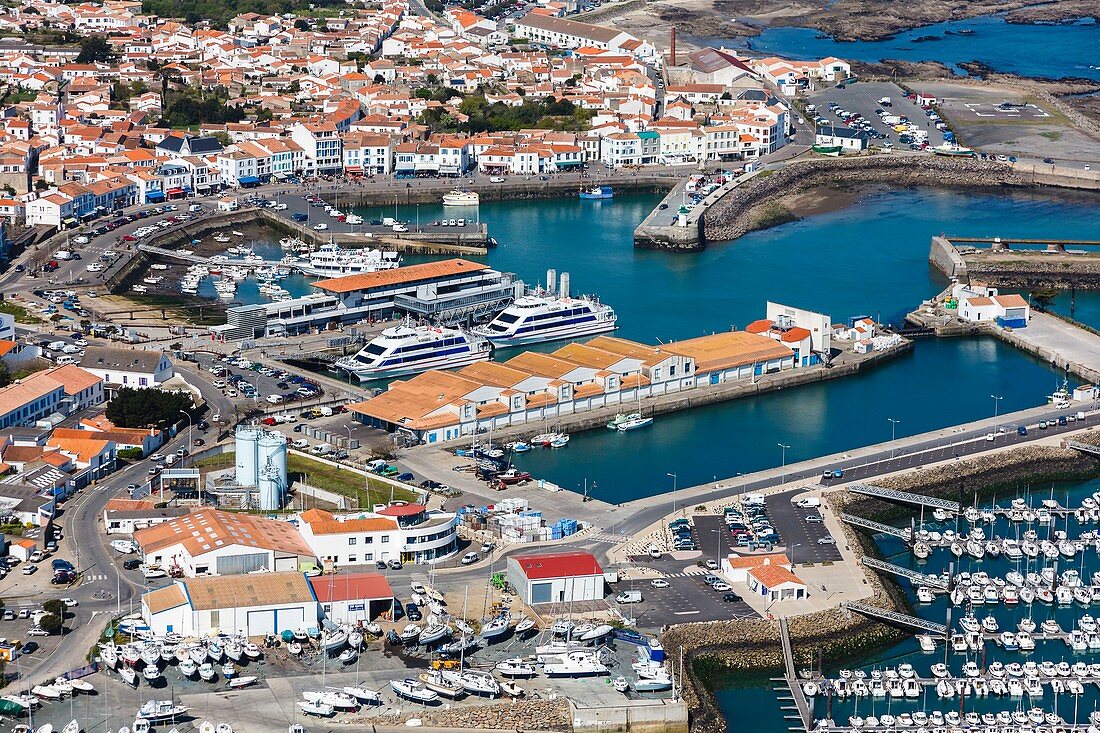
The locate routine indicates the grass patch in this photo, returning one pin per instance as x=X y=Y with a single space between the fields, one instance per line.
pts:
x=1051 y=135
x=773 y=215
x=364 y=490
x=341 y=481
x=22 y=315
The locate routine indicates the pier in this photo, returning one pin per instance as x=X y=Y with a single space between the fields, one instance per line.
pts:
x=914 y=576
x=803 y=704
x=896 y=618
x=877 y=527
x=672 y=225
x=1004 y=244
x=1089 y=450
x=904 y=497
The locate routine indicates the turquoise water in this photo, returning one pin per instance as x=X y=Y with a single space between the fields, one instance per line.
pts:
x=746 y=708
x=867 y=259
x=994 y=42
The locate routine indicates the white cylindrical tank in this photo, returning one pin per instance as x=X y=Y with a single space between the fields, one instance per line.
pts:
x=247 y=439
x=271 y=463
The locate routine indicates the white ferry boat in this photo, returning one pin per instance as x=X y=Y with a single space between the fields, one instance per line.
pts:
x=542 y=315
x=331 y=260
x=459 y=197
x=407 y=349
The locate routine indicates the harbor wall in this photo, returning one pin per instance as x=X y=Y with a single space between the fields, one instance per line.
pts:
x=637 y=716
x=1090 y=373
x=747 y=207
x=1035 y=269
x=752 y=646
x=512 y=189
x=706 y=395
x=1044 y=174
x=947 y=259
x=514 y=716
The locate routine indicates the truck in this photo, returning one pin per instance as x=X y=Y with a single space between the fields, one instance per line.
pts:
x=885 y=102
x=629 y=596
x=891 y=120
x=753 y=500
x=809 y=502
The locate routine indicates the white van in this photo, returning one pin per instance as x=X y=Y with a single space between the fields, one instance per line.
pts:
x=809 y=502
x=300 y=443
x=321 y=449
x=629 y=596
x=170 y=459
x=63 y=360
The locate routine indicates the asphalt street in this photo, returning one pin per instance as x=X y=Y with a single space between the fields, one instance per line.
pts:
x=805 y=541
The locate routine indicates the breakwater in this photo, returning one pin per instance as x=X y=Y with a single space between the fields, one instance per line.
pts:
x=754 y=205
x=833 y=636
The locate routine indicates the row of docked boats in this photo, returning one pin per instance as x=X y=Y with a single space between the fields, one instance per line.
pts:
x=60 y=688
x=205 y=659
x=1045 y=586
x=936 y=721
x=1020 y=510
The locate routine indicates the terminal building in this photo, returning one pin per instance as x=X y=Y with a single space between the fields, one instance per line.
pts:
x=445 y=292
x=529 y=388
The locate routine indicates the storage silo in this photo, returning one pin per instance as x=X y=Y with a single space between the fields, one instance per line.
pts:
x=271 y=461
x=247 y=439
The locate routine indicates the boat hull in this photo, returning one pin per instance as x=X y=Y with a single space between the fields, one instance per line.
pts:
x=552 y=334
x=452 y=362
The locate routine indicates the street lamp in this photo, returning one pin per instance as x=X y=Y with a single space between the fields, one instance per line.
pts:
x=717 y=546
x=996 y=404
x=674 y=479
x=189 y=443
x=791 y=548
x=893 y=432
x=783 y=458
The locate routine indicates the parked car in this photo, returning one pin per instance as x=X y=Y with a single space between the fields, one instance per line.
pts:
x=470 y=558
x=659 y=583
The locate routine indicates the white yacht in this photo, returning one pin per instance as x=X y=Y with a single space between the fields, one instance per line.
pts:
x=331 y=260
x=408 y=349
x=458 y=197
x=543 y=315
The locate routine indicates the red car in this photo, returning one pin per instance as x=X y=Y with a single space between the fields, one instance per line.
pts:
x=269 y=421
x=129 y=238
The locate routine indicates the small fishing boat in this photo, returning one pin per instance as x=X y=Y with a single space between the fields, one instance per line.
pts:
x=621 y=684
x=414 y=690
x=410 y=633
x=348 y=656
x=362 y=694
x=151 y=673
x=128 y=675
x=512 y=689
x=321 y=710
x=187 y=667
x=239 y=682
x=229 y=670
x=82 y=685
x=252 y=651
x=435 y=682
x=207 y=672
x=516 y=667
x=294 y=648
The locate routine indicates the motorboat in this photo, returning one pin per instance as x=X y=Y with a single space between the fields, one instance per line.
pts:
x=48 y=692
x=335 y=640
x=653 y=684
x=635 y=424
x=252 y=651
x=207 y=672
x=516 y=667
x=458 y=197
x=336 y=698
x=433 y=633
x=159 y=710
x=477 y=682
x=82 y=685
x=348 y=656
x=575 y=664
x=151 y=673
x=410 y=633
x=355 y=639
x=245 y=681
x=414 y=690
x=317 y=709
x=229 y=670
x=233 y=651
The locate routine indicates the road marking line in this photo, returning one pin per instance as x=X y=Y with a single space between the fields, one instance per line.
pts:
x=685 y=613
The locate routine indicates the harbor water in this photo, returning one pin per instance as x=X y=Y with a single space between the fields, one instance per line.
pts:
x=871 y=258
x=742 y=700
x=990 y=40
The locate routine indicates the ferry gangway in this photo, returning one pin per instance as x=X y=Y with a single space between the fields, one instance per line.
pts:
x=896 y=618
x=801 y=702
x=1086 y=448
x=915 y=576
x=903 y=497
x=902 y=533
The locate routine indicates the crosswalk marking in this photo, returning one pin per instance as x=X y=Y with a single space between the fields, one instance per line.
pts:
x=90 y=577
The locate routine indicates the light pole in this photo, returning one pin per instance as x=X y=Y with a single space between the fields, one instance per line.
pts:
x=783 y=458
x=674 y=479
x=188 y=416
x=893 y=433
x=718 y=546
x=797 y=544
x=996 y=404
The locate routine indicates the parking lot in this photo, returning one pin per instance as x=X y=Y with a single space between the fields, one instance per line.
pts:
x=862 y=99
x=686 y=599
x=801 y=538
x=252 y=386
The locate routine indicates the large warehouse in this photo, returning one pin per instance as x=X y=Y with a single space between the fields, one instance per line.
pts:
x=349 y=598
x=212 y=542
x=253 y=605
x=557 y=577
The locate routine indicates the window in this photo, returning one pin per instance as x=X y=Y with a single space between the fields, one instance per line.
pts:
x=351 y=540
x=143 y=382
x=385 y=538
x=351 y=558
x=368 y=540
x=369 y=557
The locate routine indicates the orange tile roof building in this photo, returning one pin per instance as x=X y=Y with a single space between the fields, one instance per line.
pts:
x=64 y=389
x=213 y=542
x=364 y=538
x=439 y=406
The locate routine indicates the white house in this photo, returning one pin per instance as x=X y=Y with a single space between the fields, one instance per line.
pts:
x=409 y=533
x=736 y=567
x=253 y=605
x=556 y=577
x=1008 y=310
x=126 y=516
x=776 y=583
x=212 y=542
x=320 y=145
x=353 y=598
x=126 y=367
x=848 y=139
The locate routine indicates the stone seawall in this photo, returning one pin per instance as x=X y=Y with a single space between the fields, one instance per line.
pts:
x=515 y=715
x=739 y=212
x=752 y=646
x=947 y=259
x=1036 y=270
x=513 y=189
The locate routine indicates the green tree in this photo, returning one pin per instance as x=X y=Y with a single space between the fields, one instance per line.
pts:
x=1043 y=298
x=51 y=623
x=94 y=48
x=301 y=24
x=139 y=408
x=55 y=607
x=130 y=454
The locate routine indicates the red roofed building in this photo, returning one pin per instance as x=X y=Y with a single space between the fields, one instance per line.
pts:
x=776 y=583
x=353 y=597
x=556 y=577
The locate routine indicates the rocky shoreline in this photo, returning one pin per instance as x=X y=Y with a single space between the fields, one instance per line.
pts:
x=513 y=715
x=753 y=205
x=714 y=649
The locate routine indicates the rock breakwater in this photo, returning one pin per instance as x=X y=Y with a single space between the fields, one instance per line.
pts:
x=514 y=715
x=752 y=205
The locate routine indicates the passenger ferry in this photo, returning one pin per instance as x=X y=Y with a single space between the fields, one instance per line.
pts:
x=408 y=349
x=332 y=261
x=542 y=315
x=459 y=197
